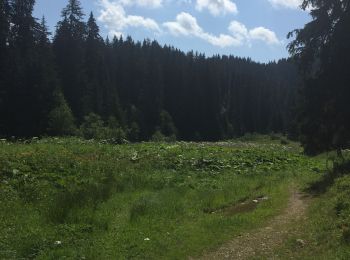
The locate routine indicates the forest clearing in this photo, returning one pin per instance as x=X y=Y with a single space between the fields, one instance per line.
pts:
x=155 y=129
x=76 y=199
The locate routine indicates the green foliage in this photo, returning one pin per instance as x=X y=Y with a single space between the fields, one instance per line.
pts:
x=60 y=119
x=167 y=126
x=158 y=136
x=321 y=51
x=115 y=133
x=105 y=201
x=134 y=132
x=93 y=127
x=145 y=85
x=326 y=229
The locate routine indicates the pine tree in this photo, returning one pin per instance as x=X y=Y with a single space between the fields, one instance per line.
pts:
x=22 y=74
x=45 y=78
x=61 y=121
x=69 y=49
x=23 y=26
x=94 y=66
x=4 y=37
x=4 y=25
x=167 y=126
x=321 y=49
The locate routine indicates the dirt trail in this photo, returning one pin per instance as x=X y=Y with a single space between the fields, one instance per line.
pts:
x=262 y=242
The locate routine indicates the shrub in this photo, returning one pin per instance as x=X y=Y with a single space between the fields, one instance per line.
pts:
x=134 y=132
x=60 y=119
x=158 y=137
x=92 y=127
x=284 y=141
x=167 y=126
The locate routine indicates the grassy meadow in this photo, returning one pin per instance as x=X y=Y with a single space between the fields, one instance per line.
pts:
x=75 y=199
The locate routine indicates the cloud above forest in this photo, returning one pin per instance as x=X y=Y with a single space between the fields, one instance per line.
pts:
x=292 y=4
x=217 y=7
x=186 y=25
x=114 y=17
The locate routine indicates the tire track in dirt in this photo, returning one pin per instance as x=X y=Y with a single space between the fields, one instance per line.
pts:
x=261 y=243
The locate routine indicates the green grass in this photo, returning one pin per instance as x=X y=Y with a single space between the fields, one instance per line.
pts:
x=326 y=231
x=88 y=200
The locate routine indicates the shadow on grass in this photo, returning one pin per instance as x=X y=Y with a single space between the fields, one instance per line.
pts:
x=321 y=186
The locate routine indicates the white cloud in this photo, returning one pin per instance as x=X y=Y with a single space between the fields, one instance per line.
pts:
x=142 y=3
x=292 y=4
x=114 y=17
x=238 y=30
x=186 y=25
x=217 y=7
x=263 y=34
x=223 y=40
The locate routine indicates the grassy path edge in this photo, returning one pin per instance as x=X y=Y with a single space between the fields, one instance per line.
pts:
x=262 y=242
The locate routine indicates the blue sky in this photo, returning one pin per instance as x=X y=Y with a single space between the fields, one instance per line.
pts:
x=246 y=28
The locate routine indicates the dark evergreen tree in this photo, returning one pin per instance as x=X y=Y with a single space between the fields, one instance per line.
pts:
x=93 y=91
x=69 y=50
x=144 y=87
x=45 y=79
x=321 y=49
x=61 y=121
x=100 y=94
x=22 y=78
x=4 y=26
x=4 y=37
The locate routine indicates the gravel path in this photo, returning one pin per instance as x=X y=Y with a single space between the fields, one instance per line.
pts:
x=261 y=243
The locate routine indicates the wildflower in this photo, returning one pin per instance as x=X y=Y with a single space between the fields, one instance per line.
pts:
x=58 y=242
x=147 y=239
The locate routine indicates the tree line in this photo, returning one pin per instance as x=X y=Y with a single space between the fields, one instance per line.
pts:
x=77 y=83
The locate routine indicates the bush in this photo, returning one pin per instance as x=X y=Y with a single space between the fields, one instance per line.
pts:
x=134 y=132
x=115 y=135
x=93 y=127
x=167 y=126
x=274 y=137
x=284 y=141
x=60 y=119
x=159 y=137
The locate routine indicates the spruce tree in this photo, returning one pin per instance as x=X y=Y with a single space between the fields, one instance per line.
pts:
x=95 y=69
x=61 y=121
x=69 y=49
x=46 y=78
x=4 y=37
x=22 y=74
x=4 y=25
x=321 y=49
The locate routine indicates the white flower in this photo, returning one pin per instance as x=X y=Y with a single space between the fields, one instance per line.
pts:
x=147 y=239
x=58 y=242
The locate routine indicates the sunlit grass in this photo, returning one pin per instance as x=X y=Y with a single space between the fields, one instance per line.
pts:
x=146 y=200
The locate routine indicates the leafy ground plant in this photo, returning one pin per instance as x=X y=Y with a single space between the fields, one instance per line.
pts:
x=84 y=199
